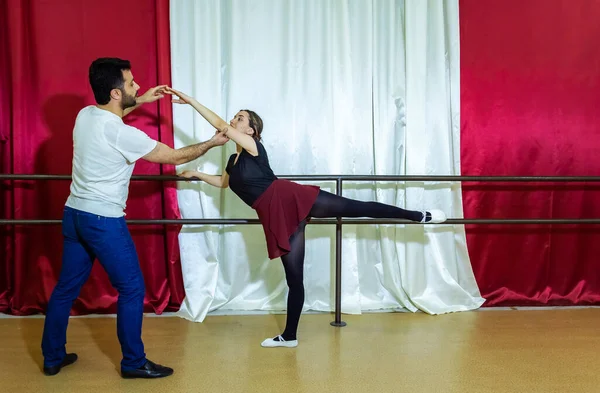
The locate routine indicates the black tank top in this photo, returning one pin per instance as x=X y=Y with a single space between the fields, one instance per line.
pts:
x=250 y=176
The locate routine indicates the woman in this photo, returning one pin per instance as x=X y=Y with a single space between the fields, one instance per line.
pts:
x=283 y=207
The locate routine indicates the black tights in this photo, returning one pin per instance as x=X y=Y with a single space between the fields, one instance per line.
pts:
x=326 y=205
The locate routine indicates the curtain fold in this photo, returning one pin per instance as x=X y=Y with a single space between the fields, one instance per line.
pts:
x=169 y=189
x=6 y=232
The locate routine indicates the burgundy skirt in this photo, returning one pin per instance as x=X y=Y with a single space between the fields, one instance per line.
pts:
x=281 y=209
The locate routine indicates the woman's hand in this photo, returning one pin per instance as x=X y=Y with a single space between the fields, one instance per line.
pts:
x=182 y=97
x=206 y=113
x=189 y=175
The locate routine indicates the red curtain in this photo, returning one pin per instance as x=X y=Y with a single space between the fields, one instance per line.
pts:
x=5 y=164
x=51 y=45
x=530 y=93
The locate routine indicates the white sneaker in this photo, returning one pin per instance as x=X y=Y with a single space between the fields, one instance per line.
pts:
x=279 y=342
x=437 y=216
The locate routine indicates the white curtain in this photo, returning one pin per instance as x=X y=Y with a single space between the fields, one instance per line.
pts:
x=344 y=87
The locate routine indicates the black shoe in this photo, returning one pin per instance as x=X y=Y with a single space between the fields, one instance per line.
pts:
x=148 y=370
x=69 y=359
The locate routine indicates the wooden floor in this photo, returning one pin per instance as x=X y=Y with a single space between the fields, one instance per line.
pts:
x=482 y=351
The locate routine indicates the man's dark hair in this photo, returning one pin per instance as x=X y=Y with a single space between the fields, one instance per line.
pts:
x=105 y=74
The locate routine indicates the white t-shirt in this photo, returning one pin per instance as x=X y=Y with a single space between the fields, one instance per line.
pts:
x=104 y=154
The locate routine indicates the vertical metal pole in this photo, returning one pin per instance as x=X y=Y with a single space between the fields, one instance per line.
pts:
x=338 y=263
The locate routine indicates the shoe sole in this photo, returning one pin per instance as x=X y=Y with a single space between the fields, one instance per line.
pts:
x=279 y=346
x=145 y=376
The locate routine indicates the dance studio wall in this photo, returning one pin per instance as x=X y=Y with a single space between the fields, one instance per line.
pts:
x=44 y=84
x=530 y=92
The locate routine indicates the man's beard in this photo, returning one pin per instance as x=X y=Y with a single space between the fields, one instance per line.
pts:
x=128 y=100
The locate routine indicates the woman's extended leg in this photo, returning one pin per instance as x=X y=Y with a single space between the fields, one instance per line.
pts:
x=330 y=205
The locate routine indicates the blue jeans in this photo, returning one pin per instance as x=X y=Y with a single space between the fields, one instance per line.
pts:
x=87 y=236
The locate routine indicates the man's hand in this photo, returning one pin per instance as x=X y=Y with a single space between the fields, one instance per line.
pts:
x=153 y=94
x=219 y=139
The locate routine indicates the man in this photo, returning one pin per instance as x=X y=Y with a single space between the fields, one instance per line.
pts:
x=104 y=155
